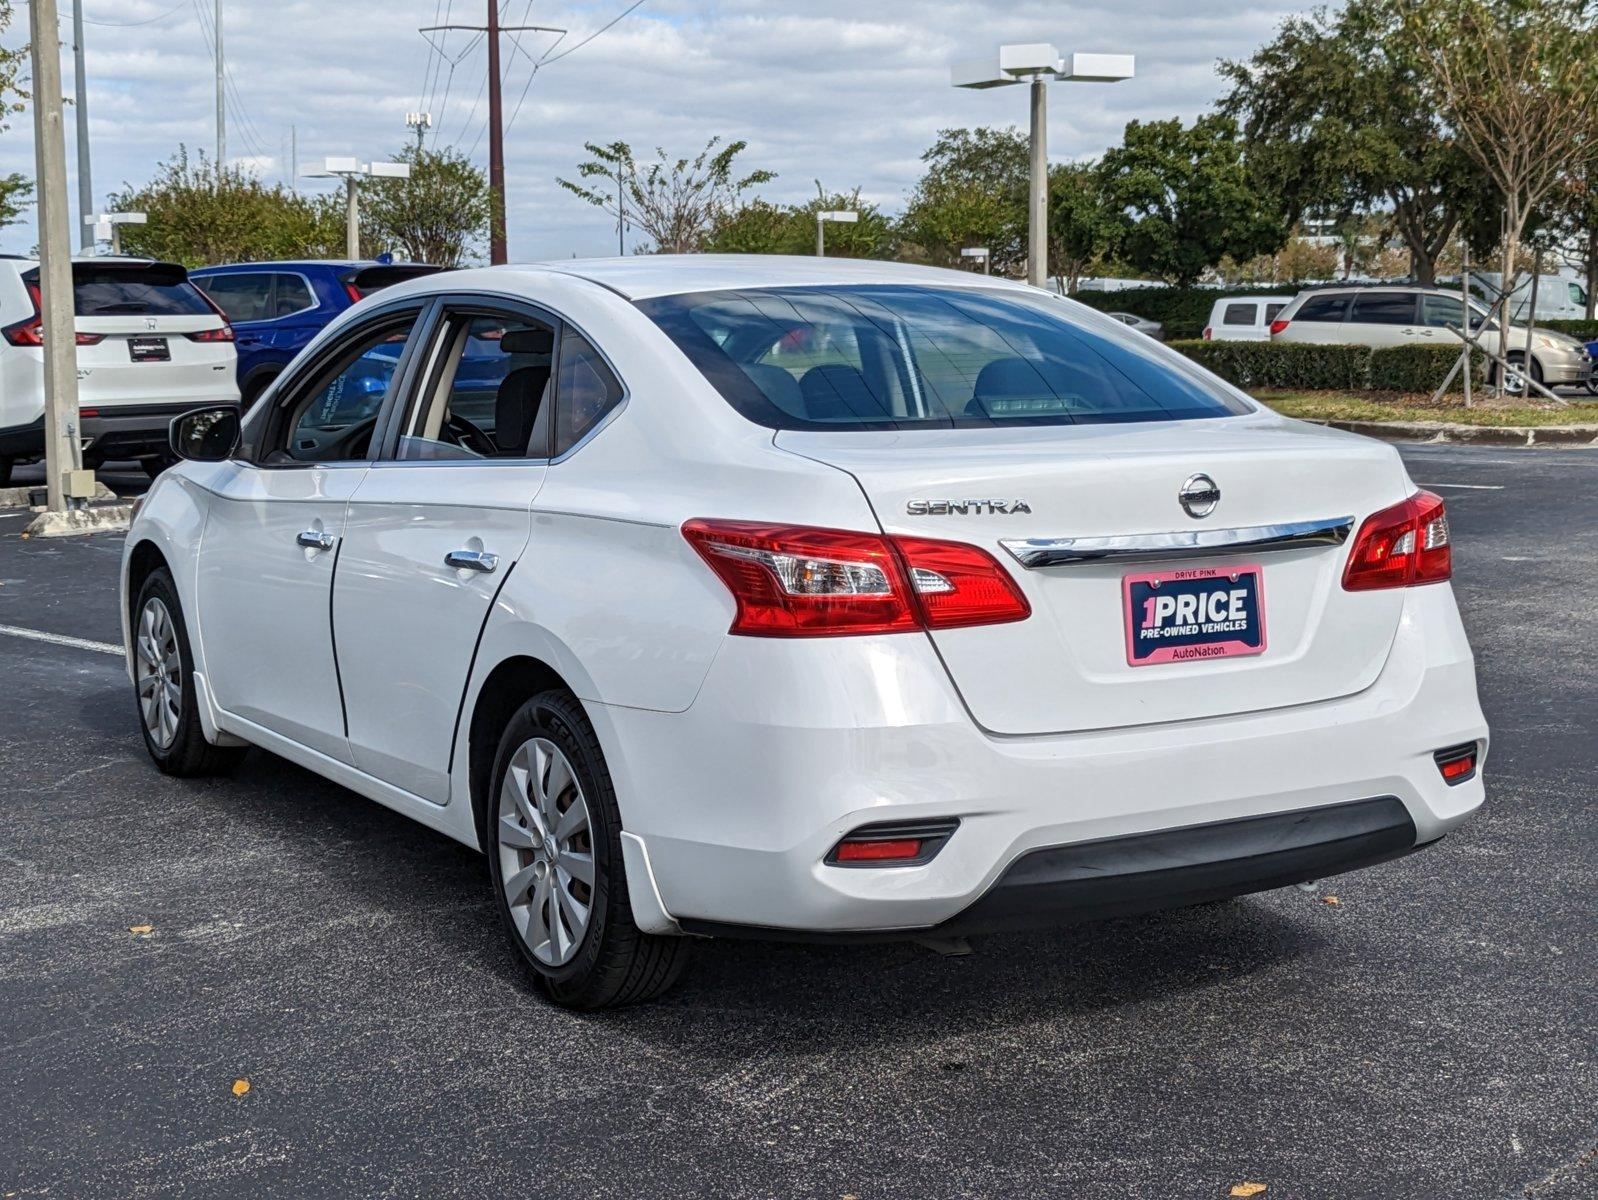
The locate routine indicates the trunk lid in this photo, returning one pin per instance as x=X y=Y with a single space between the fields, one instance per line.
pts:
x=1066 y=667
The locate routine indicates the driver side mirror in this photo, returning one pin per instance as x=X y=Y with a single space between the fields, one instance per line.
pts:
x=206 y=434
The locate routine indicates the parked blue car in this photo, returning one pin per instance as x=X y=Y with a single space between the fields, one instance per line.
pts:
x=275 y=308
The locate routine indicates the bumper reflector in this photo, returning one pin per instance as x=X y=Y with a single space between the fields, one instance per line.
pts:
x=892 y=844
x=1457 y=763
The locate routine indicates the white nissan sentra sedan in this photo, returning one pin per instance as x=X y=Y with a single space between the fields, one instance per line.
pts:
x=804 y=598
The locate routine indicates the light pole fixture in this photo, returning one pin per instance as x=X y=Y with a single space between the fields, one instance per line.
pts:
x=847 y=217
x=351 y=171
x=108 y=226
x=421 y=122
x=1038 y=63
x=982 y=253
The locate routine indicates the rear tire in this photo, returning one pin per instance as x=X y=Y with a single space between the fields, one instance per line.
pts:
x=163 y=689
x=553 y=835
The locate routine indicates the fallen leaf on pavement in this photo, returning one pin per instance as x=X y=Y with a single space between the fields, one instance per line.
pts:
x=141 y=928
x=1330 y=900
x=1246 y=1189
x=240 y=1086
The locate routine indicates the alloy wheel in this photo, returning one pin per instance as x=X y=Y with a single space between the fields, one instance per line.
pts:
x=546 y=855
x=158 y=673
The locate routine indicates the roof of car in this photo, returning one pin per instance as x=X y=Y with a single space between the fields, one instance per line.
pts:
x=295 y=262
x=645 y=275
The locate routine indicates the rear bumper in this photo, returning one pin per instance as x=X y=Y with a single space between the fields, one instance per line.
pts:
x=1173 y=868
x=739 y=799
x=125 y=431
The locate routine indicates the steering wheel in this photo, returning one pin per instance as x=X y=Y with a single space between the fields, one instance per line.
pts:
x=470 y=436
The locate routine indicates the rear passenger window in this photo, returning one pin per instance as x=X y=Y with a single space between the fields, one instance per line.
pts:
x=243 y=297
x=1384 y=308
x=1271 y=311
x=1239 y=314
x=293 y=295
x=1323 y=308
x=585 y=390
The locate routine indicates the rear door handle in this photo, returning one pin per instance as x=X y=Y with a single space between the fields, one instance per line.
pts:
x=315 y=539
x=471 y=560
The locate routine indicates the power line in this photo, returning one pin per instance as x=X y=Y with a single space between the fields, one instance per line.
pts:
x=625 y=12
x=132 y=24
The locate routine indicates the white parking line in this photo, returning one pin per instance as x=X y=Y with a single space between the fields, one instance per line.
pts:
x=1475 y=487
x=60 y=639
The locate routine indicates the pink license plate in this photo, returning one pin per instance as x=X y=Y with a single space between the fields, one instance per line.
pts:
x=1194 y=614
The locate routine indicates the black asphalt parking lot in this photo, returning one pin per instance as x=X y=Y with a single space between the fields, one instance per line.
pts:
x=1434 y=1034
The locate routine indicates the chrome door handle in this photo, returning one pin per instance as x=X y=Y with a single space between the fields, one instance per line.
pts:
x=315 y=539
x=471 y=560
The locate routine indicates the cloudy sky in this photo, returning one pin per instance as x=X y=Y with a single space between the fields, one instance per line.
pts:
x=846 y=91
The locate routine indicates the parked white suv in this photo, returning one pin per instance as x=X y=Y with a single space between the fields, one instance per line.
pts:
x=1421 y=316
x=804 y=597
x=150 y=346
x=1243 y=318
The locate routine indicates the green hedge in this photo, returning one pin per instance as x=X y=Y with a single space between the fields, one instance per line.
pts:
x=1585 y=330
x=1183 y=311
x=1251 y=365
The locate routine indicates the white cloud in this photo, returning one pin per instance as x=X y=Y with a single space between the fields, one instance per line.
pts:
x=840 y=90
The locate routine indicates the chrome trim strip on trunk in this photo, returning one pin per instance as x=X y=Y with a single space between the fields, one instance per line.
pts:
x=1033 y=553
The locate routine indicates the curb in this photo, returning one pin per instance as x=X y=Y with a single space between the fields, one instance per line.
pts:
x=108 y=518
x=1480 y=435
x=17 y=497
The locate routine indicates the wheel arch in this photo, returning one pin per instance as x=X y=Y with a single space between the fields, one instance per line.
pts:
x=145 y=558
x=510 y=684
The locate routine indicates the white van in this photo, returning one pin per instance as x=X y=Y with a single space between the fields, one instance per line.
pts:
x=1243 y=318
x=1559 y=297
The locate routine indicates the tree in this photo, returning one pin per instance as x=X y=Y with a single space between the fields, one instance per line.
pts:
x=1338 y=114
x=199 y=214
x=675 y=202
x=973 y=194
x=1184 y=199
x=760 y=227
x=1081 y=224
x=1514 y=80
x=15 y=191
x=436 y=216
x=11 y=67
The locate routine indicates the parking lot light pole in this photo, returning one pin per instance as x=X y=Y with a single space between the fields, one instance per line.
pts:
x=847 y=217
x=982 y=253
x=62 y=456
x=1038 y=63
x=108 y=227
x=352 y=171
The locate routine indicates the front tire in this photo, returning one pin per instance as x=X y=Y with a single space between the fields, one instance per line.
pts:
x=554 y=849
x=163 y=686
x=1514 y=385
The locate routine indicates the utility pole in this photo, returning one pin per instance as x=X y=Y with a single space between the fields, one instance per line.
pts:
x=421 y=122
x=294 y=158
x=496 y=123
x=496 y=142
x=80 y=100
x=1037 y=254
x=63 y=461
x=221 y=101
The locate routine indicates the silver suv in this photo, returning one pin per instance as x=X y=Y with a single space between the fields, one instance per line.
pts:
x=1421 y=316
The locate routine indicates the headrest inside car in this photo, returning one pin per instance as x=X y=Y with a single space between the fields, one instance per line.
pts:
x=527 y=341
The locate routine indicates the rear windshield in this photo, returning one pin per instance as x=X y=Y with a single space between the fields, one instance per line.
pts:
x=160 y=290
x=891 y=357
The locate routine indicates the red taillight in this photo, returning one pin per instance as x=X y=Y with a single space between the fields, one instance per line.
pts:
x=878 y=851
x=30 y=332
x=89 y=412
x=795 y=581
x=354 y=293
x=1277 y=326
x=224 y=334
x=1208 y=333
x=1401 y=546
